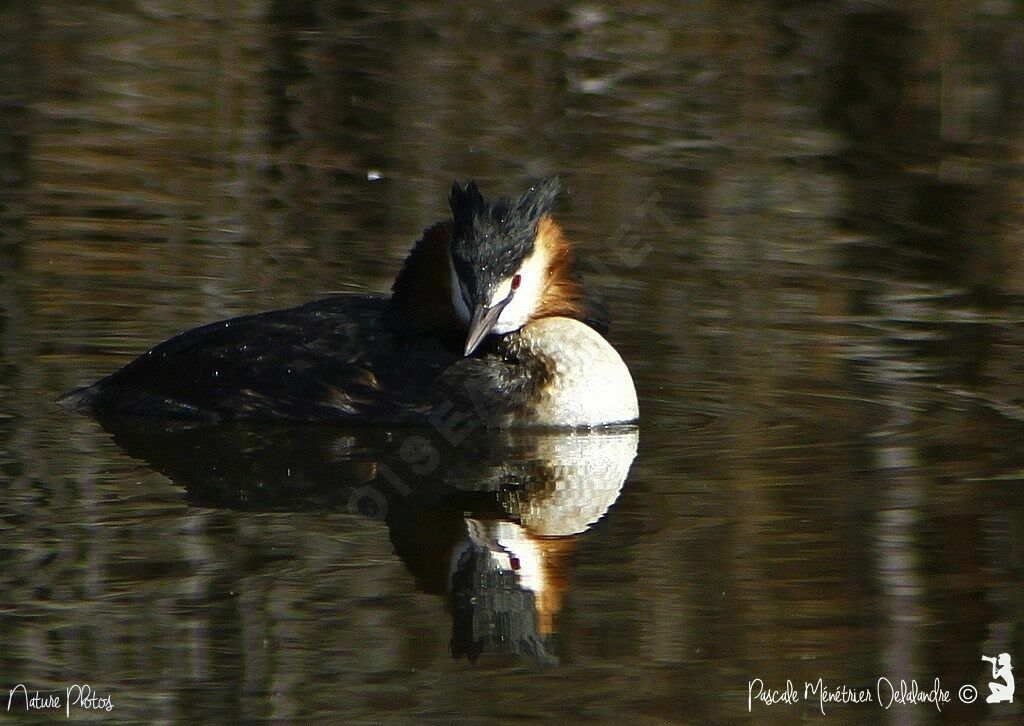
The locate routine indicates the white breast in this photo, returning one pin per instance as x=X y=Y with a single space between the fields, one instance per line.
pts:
x=590 y=384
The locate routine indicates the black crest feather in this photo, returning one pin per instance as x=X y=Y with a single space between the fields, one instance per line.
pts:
x=490 y=240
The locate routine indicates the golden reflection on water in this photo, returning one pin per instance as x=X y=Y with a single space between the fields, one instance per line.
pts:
x=806 y=218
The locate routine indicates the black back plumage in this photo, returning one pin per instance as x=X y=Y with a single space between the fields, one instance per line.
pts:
x=329 y=360
x=354 y=357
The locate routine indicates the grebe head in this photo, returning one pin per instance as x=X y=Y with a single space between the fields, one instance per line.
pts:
x=499 y=267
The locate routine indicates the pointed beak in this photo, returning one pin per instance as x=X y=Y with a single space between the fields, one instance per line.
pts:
x=482 y=322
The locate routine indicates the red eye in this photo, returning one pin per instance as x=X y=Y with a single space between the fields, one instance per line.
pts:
x=516 y=279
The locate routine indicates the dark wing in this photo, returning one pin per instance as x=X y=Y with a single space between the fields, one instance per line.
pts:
x=320 y=361
x=492 y=386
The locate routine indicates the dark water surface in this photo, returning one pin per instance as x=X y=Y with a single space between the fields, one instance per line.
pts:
x=808 y=221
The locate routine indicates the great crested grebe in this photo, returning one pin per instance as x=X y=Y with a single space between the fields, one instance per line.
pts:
x=486 y=316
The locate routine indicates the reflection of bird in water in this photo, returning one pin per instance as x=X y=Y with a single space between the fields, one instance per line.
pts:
x=486 y=315
x=508 y=577
x=491 y=528
x=501 y=596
